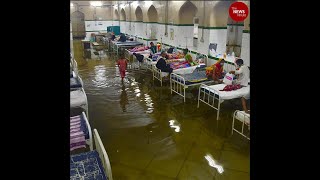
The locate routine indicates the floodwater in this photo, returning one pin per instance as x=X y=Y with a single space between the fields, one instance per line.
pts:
x=150 y=134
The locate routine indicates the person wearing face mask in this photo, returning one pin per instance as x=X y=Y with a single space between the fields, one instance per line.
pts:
x=216 y=71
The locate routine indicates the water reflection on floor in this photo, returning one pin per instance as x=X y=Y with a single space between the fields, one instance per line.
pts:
x=151 y=134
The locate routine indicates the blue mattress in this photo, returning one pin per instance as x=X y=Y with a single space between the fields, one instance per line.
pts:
x=129 y=44
x=86 y=166
x=195 y=77
x=75 y=83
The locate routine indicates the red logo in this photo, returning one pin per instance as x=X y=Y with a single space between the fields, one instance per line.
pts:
x=238 y=11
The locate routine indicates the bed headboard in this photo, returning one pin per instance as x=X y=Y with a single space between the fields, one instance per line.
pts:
x=102 y=154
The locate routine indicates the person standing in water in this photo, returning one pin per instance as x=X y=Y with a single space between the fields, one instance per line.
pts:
x=122 y=64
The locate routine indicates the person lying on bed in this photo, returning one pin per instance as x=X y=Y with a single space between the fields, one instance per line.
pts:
x=162 y=65
x=216 y=71
x=243 y=73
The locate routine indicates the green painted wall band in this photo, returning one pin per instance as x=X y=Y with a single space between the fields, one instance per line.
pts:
x=235 y=24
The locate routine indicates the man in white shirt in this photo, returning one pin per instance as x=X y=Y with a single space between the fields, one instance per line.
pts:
x=243 y=73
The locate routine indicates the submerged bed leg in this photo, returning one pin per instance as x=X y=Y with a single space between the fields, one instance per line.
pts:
x=184 y=94
x=233 y=122
x=218 y=109
x=170 y=84
x=199 y=96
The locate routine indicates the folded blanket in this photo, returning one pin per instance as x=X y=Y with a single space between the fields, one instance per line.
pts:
x=77 y=136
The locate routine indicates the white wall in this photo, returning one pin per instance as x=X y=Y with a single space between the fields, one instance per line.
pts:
x=141 y=29
x=218 y=36
x=203 y=47
x=97 y=25
x=245 y=48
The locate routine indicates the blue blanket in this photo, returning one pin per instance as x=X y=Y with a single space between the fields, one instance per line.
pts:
x=195 y=77
x=86 y=166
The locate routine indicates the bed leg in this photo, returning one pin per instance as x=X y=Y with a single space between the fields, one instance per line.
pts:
x=170 y=85
x=199 y=97
x=184 y=94
x=232 y=123
x=218 y=110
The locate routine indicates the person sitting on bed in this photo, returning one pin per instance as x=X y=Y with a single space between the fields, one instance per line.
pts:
x=122 y=38
x=162 y=65
x=113 y=36
x=216 y=71
x=170 y=50
x=243 y=73
x=153 y=48
x=139 y=57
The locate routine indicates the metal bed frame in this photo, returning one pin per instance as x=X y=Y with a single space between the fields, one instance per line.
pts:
x=179 y=86
x=208 y=97
x=99 y=147
x=243 y=124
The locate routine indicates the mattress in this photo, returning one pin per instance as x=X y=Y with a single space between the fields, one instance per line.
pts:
x=83 y=125
x=187 y=70
x=75 y=83
x=86 y=166
x=141 y=52
x=151 y=62
x=77 y=98
x=193 y=78
x=128 y=43
x=242 y=116
x=77 y=132
x=225 y=95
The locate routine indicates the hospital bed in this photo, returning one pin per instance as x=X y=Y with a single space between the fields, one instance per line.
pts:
x=213 y=97
x=80 y=132
x=185 y=78
x=131 y=58
x=127 y=45
x=76 y=83
x=78 y=99
x=244 y=118
x=150 y=62
x=115 y=45
x=157 y=73
x=94 y=164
